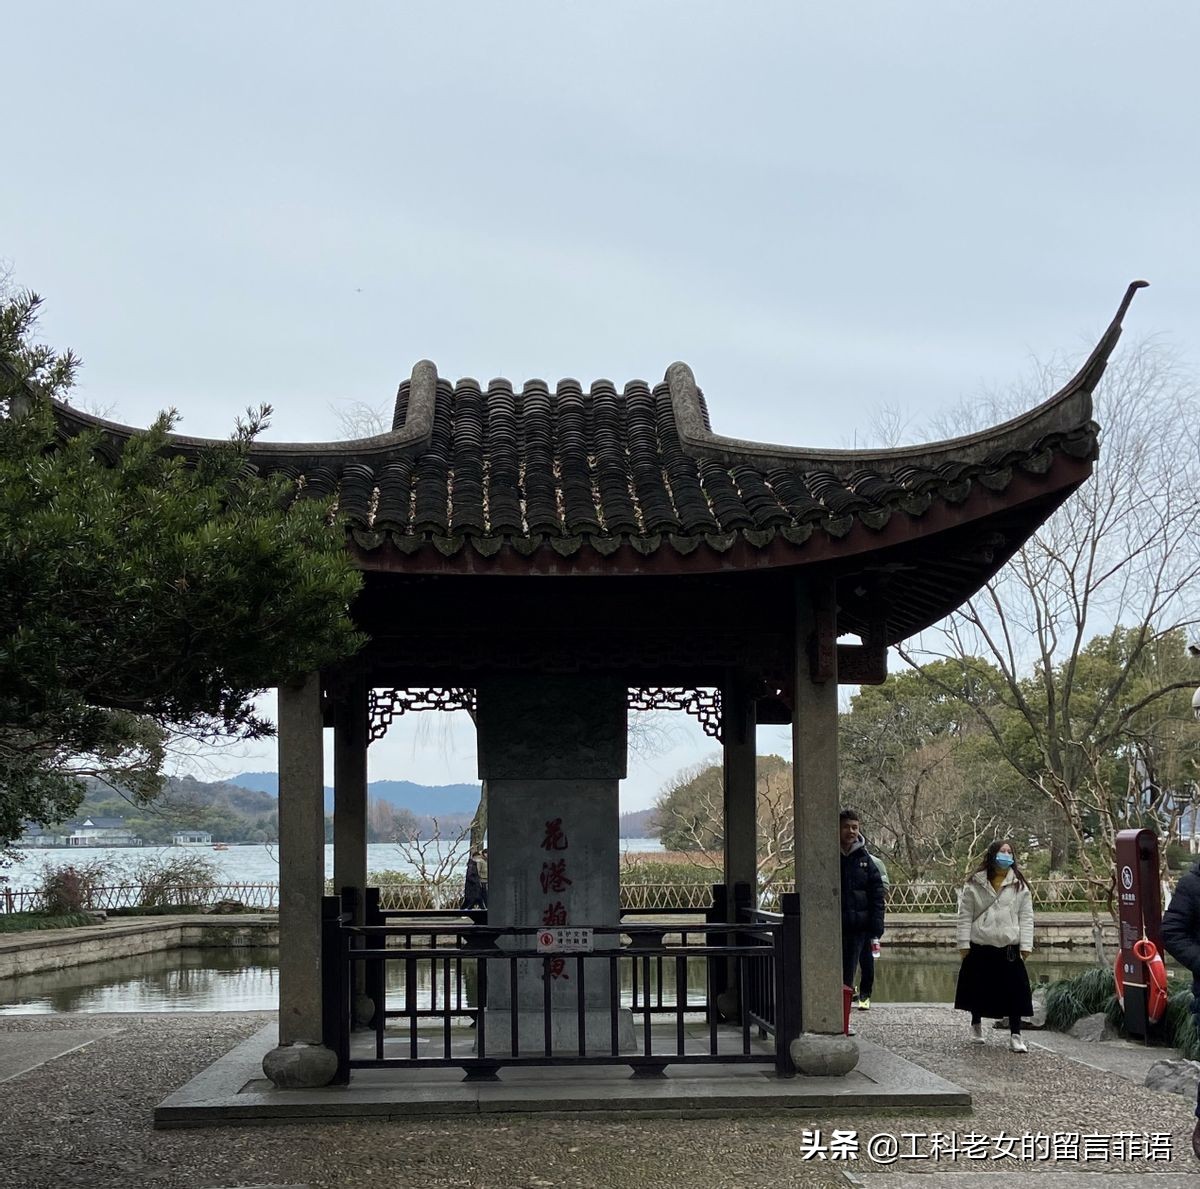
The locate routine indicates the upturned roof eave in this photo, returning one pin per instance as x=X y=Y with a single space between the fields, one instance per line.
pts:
x=414 y=434
x=1067 y=410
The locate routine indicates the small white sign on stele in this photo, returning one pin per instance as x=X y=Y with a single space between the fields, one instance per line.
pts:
x=564 y=941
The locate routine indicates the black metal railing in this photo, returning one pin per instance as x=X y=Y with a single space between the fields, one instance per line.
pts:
x=772 y=1001
x=647 y=995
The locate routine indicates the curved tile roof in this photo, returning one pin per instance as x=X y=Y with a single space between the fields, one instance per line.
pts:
x=614 y=478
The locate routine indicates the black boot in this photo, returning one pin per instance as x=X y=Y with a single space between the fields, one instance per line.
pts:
x=1196 y=1140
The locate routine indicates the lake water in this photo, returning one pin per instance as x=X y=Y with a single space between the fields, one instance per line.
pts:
x=238 y=864
x=247 y=980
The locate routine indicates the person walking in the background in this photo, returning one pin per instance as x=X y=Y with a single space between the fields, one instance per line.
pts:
x=474 y=895
x=870 y=949
x=995 y=936
x=862 y=896
x=483 y=876
x=1181 y=937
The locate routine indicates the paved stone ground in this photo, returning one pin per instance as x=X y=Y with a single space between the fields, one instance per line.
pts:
x=83 y=1119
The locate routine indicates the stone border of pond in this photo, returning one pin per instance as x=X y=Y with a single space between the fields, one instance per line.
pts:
x=1051 y=930
x=58 y=949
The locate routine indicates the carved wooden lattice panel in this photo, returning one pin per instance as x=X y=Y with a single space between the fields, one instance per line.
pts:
x=702 y=704
x=384 y=705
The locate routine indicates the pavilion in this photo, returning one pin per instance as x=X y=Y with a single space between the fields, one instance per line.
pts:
x=549 y=556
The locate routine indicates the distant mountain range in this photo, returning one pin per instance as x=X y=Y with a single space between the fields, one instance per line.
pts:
x=639 y=824
x=425 y=800
x=422 y=799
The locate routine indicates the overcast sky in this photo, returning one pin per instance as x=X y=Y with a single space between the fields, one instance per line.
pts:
x=822 y=208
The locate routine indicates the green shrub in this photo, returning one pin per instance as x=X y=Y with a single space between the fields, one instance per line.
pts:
x=1070 y=999
x=1179 y=858
x=155 y=910
x=1179 y=1025
x=405 y=890
x=657 y=872
x=1114 y=1013
x=24 y=922
x=169 y=880
x=72 y=888
x=389 y=876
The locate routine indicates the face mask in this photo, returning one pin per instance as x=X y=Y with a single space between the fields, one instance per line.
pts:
x=1003 y=860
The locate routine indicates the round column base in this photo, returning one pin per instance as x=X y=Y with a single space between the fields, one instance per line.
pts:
x=300 y=1066
x=820 y=1055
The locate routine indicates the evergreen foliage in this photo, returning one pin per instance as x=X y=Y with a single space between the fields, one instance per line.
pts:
x=227 y=812
x=143 y=596
x=650 y=871
x=1180 y=1025
x=1070 y=999
x=26 y=922
x=690 y=812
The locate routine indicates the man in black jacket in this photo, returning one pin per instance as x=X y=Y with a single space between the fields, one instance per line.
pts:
x=1181 y=936
x=862 y=895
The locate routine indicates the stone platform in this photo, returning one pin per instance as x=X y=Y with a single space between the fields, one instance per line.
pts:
x=233 y=1089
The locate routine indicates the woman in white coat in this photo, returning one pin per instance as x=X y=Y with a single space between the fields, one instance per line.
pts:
x=995 y=936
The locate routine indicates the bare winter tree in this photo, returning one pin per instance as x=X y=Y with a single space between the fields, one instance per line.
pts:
x=358 y=419
x=918 y=803
x=437 y=858
x=1080 y=626
x=652 y=732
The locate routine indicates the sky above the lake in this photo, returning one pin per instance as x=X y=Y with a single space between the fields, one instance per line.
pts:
x=825 y=209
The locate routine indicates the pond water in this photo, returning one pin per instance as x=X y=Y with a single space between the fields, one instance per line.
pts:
x=246 y=979
x=172 y=980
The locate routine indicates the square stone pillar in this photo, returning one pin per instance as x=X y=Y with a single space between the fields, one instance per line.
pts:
x=552 y=750
x=740 y=787
x=350 y=811
x=300 y=1060
x=350 y=788
x=815 y=804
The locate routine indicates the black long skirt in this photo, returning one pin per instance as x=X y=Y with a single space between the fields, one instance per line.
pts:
x=991 y=985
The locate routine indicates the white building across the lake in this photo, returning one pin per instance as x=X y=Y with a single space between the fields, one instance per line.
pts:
x=192 y=838
x=101 y=831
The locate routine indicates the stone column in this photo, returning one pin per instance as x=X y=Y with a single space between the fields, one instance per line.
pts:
x=300 y=1060
x=741 y=808
x=822 y=1048
x=350 y=810
x=551 y=752
x=350 y=787
x=740 y=814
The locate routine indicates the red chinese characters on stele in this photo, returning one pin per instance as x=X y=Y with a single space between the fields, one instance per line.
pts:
x=556 y=838
x=554 y=878
x=555 y=915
